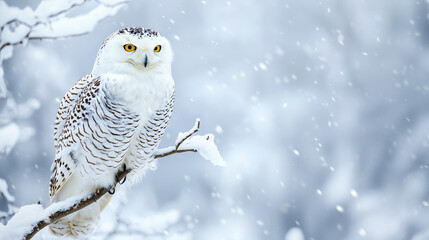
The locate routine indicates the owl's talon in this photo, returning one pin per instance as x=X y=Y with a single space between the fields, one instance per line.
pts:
x=93 y=198
x=112 y=191
x=125 y=178
x=118 y=181
x=123 y=181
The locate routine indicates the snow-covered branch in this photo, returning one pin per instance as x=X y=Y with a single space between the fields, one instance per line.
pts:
x=30 y=219
x=48 y=21
x=186 y=142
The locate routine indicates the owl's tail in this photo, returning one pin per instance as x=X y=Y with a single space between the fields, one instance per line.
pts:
x=77 y=227
x=81 y=223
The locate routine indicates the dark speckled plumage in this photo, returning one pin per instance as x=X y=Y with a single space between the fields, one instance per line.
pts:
x=139 y=32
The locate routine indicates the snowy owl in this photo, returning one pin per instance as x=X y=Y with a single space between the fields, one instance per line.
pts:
x=113 y=118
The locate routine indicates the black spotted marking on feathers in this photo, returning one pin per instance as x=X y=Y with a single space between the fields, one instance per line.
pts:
x=139 y=32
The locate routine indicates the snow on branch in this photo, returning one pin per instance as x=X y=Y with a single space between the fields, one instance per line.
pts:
x=30 y=219
x=49 y=21
x=204 y=145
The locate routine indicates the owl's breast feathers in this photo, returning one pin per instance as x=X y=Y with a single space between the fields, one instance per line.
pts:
x=94 y=133
x=151 y=134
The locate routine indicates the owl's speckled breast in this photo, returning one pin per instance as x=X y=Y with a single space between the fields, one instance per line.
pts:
x=152 y=98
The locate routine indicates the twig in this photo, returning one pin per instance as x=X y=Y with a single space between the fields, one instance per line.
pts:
x=174 y=151
x=89 y=199
x=171 y=150
x=42 y=38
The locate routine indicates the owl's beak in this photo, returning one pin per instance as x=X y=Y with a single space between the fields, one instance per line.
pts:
x=145 y=60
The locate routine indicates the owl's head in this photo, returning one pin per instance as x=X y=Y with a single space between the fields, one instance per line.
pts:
x=133 y=50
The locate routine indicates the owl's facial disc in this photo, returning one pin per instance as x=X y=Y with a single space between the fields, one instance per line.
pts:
x=145 y=53
x=131 y=50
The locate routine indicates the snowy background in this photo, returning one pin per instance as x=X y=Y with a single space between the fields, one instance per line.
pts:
x=319 y=108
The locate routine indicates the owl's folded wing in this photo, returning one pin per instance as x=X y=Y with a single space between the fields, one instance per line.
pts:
x=92 y=132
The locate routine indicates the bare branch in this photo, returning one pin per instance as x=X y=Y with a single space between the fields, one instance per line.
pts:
x=174 y=151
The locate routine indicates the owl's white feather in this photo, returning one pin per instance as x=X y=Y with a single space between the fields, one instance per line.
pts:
x=113 y=117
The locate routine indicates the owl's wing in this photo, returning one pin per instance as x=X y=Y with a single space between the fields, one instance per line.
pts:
x=66 y=108
x=92 y=132
x=62 y=168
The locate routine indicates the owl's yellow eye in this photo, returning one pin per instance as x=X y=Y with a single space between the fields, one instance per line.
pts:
x=129 y=47
x=157 y=48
